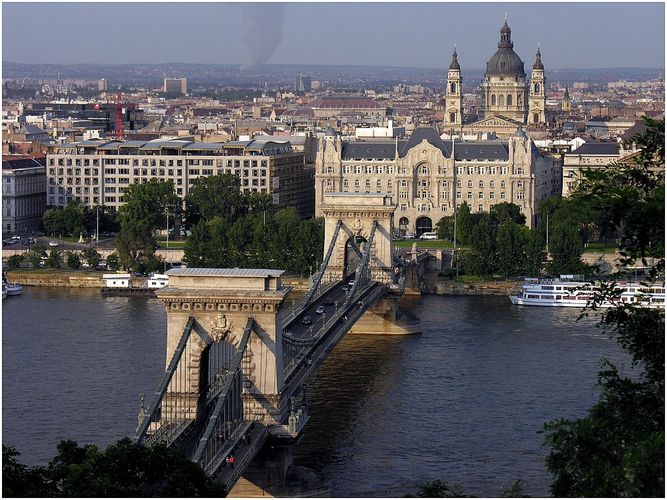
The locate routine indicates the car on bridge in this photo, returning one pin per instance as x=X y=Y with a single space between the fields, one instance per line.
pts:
x=307 y=320
x=319 y=310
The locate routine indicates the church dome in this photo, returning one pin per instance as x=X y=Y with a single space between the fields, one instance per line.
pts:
x=455 y=62
x=505 y=62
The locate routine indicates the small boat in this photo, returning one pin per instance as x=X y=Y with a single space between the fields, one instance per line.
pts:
x=11 y=289
x=572 y=291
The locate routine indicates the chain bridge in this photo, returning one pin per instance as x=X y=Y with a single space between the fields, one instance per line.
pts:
x=238 y=358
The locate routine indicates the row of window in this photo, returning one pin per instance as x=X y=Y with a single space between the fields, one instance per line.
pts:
x=145 y=162
x=423 y=170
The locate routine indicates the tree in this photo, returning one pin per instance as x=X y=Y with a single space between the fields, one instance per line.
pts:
x=20 y=481
x=535 y=254
x=55 y=259
x=147 y=204
x=14 y=261
x=501 y=212
x=216 y=196
x=445 y=228
x=91 y=256
x=440 y=489
x=464 y=224
x=112 y=261
x=36 y=254
x=566 y=247
x=135 y=246
x=73 y=260
x=481 y=259
x=53 y=221
x=124 y=469
x=511 y=243
x=617 y=449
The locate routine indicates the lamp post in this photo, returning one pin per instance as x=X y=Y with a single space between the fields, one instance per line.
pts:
x=97 y=226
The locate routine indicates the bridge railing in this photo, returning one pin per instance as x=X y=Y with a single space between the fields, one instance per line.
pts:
x=225 y=416
x=156 y=424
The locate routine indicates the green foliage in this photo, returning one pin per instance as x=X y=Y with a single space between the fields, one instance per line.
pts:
x=511 y=243
x=440 y=489
x=124 y=469
x=149 y=203
x=113 y=262
x=481 y=258
x=135 y=247
x=445 y=228
x=279 y=240
x=14 y=261
x=36 y=254
x=217 y=196
x=20 y=481
x=73 y=260
x=501 y=212
x=617 y=450
x=464 y=224
x=565 y=247
x=91 y=256
x=55 y=259
x=516 y=490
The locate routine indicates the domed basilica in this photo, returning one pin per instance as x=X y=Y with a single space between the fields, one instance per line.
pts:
x=506 y=93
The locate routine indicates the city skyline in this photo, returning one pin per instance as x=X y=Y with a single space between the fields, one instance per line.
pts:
x=420 y=35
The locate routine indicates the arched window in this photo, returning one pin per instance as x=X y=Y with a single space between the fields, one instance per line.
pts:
x=452 y=117
x=378 y=186
x=501 y=100
x=452 y=87
x=493 y=100
x=356 y=185
x=537 y=88
x=346 y=185
x=536 y=118
x=509 y=99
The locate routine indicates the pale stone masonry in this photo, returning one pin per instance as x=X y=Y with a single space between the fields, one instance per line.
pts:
x=425 y=175
x=23 y=193
x=99 y=172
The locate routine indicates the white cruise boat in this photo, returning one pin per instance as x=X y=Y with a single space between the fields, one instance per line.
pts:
x=568 y=292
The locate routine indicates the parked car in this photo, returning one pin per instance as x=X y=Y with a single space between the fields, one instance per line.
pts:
x=409 y=236
x=307 y=320
x=428 y=236
x=319 y=310
x=53 y=243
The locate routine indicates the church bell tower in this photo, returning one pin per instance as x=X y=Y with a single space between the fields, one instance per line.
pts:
x=537 y=101
x=453 y=96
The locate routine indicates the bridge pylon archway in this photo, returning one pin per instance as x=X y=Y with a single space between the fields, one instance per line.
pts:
x=356 y=213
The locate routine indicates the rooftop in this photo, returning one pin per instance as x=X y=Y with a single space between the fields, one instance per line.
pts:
x=230 y=273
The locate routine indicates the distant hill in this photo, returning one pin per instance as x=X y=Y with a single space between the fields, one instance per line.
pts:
x=272 y=74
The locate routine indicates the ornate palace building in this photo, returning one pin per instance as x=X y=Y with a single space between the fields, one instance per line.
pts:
x=425 y=175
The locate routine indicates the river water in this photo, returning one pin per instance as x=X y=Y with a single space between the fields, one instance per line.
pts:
x=463 y=401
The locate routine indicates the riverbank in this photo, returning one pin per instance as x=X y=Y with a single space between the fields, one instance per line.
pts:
x=54 y=277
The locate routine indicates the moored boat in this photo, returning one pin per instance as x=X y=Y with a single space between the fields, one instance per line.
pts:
x=11 y=289
x=569 y=291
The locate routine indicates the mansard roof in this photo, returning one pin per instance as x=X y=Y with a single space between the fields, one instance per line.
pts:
x=431 y=136
x=369 y=150
x=482 y=150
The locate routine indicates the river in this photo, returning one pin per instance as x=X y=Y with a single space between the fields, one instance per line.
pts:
x=463 y=401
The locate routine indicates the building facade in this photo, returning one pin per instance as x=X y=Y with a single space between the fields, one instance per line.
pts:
x=23 y=193
x=99 y=172
x=589 y=155
x=426 y=176
x=175 y=85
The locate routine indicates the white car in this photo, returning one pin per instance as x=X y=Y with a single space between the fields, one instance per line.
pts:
x=319 y=310
x=428 y=236
x=53 y=243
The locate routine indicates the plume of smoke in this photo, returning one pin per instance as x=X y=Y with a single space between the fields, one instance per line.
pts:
x=262 y=31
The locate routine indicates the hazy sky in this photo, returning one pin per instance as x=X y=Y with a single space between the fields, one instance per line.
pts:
x=572 y=35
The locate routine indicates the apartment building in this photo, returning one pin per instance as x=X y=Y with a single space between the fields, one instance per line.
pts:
x=426 y=176
x=23 y=193
x=99 y=172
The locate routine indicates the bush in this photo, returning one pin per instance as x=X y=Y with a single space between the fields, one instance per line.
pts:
x=55 y=259
x=14 y=261
x=73 y=260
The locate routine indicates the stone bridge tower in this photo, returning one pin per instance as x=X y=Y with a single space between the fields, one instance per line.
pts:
x=357 y=212
x=221 y=301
